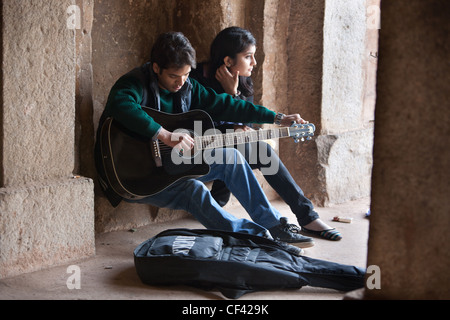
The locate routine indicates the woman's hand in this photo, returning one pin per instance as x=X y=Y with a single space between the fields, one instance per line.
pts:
x=229 y=81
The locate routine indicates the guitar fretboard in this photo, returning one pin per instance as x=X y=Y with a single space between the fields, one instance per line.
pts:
x=239 y=137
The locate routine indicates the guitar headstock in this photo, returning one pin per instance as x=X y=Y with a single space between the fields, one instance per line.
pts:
x=302 y=131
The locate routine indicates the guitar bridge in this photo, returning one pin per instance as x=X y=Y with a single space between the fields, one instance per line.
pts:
x=156 y=153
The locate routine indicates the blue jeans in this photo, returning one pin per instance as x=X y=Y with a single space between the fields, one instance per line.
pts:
x=261 y=156
x=194 y=197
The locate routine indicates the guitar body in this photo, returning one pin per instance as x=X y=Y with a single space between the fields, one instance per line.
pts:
x=129 y=159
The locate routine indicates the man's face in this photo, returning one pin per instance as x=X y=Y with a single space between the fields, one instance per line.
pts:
x=172 y=79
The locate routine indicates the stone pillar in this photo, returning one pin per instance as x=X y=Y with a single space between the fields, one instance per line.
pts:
x=46 y=215
x=326 y=85
x=346 y=139
x=304 y=85
x=410 y=190
x=84 y=129
x=265 y=20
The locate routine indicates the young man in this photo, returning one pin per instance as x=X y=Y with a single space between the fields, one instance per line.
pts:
x=164 y=84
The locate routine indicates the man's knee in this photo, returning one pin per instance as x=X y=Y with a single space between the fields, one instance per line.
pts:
x=224 y=156
x=193 y=185
x=234 y=156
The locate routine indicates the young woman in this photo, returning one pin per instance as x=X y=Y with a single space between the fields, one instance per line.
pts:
x=229 y=70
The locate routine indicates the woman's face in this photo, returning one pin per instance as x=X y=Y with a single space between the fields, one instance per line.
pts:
x=244 y=62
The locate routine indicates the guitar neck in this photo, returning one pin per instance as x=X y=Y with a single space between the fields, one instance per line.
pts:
x=239 y=137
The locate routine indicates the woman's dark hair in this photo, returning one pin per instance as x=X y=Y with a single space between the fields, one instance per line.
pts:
x=173 y=50
x=228 y=43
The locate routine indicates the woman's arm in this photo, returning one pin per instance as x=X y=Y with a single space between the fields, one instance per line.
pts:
x=222 y=107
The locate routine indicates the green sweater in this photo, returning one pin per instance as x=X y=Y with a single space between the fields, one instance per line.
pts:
x=124 y=105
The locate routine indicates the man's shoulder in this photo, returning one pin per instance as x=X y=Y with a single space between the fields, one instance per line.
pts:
x=129 y=81
x=141 y=73
x=136 y=78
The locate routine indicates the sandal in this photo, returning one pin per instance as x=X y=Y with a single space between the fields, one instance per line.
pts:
x=331 y=234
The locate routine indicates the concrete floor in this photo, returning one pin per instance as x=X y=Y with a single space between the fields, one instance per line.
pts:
x=110 y=275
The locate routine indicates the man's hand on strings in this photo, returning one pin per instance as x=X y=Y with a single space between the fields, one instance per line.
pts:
x=179 y=141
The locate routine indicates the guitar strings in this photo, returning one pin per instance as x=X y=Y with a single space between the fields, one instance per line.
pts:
x=229 y=139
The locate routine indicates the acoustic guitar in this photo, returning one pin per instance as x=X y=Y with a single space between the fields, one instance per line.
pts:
x=138 y=167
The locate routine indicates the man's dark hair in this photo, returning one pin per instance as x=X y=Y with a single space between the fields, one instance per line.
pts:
x=173 y=50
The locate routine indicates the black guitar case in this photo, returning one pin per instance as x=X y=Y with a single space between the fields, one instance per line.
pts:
x=235 y=264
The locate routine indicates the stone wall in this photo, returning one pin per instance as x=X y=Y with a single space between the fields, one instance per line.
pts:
x=46 y=214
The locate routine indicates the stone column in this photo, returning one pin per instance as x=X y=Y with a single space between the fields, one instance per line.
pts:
x=346 y=138
x=304 y=85
x=326 y=85
x=46 y=214
x=409 y=238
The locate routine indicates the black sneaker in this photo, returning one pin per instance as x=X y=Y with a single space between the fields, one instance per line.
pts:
x=290 y=233
x=290 y=248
